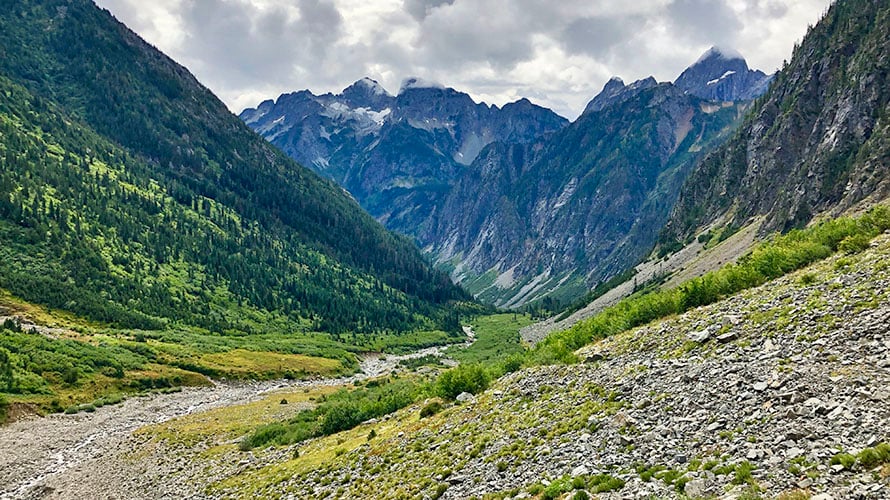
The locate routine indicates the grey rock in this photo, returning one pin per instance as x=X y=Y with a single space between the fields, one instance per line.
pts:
x=465 y=397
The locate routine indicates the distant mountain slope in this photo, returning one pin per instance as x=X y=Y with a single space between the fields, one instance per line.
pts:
x=817 y=142
x=397 y=155
x=130 y=195
x=561 y=214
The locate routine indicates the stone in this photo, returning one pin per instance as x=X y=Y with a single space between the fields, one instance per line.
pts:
x=700 y=336
x=593 y=357
x=760 y=386
x=727 y=337
x=697 y=488
x=465 y=397
x=580 y=470
x=822 y=496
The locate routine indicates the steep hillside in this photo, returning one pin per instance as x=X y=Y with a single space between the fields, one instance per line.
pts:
x=817 y=142
x=130 y=196
x=398 y=155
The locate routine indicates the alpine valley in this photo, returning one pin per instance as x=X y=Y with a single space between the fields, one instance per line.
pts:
x=683 y=293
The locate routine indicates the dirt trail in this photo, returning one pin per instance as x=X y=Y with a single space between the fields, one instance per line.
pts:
x=38 y=452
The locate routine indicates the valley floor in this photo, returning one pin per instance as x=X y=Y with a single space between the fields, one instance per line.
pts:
x=90 y=455
x=782 y=391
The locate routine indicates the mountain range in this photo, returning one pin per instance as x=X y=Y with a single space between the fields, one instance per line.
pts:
x=515 y=202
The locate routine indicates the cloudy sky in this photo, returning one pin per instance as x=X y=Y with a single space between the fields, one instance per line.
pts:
x=557 y=53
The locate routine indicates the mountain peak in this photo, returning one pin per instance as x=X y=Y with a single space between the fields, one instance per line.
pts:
x=716 y=52
x=721 y=74
x=368 y=85
x=615 y=92
x=415 y=82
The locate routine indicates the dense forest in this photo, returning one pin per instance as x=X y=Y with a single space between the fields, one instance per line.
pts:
x=130 y=196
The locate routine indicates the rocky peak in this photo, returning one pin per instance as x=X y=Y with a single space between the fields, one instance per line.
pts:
x=366 y=93
x=615 y=92
x=723 y=75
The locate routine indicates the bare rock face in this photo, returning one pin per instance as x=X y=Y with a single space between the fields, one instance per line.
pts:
x=513 y=201
x=396 y=154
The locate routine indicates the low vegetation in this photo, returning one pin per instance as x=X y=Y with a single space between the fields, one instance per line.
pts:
x=769 y=260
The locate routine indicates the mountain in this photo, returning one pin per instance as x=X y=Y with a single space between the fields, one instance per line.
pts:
x=723 y=75
x=397 y=155
x=130 y=196
x=818 y=142
x=557 y=216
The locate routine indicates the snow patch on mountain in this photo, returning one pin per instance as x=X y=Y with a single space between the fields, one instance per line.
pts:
x=724 y=76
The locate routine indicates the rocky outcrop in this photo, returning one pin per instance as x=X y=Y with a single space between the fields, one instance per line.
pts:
x=616 y=92
x=565 y=212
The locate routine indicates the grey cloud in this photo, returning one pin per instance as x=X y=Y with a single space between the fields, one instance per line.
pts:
x=241 y=43
x=597 y=36
x=559 y=52
x=420 y=9
x=704 y=21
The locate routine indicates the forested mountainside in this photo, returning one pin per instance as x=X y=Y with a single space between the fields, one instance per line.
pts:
x=514 y=203
x=817 y=142
x=398 y=155
x=130 y=196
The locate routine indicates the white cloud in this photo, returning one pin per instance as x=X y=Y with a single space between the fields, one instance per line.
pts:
x=559 y=54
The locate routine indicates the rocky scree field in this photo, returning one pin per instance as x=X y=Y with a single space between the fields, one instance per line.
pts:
x=780 y=392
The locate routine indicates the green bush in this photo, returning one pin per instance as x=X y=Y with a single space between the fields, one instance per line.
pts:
x=854 y=243
x=430 y=409
x=845 y=459
x=464 y=378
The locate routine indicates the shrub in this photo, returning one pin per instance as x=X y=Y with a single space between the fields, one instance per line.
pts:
x=854 y=243
x=440 y=490
x=844 y=459
x=464 y=378
x=431 y=409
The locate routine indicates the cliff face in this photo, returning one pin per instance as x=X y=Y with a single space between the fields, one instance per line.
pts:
x=817 y=142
